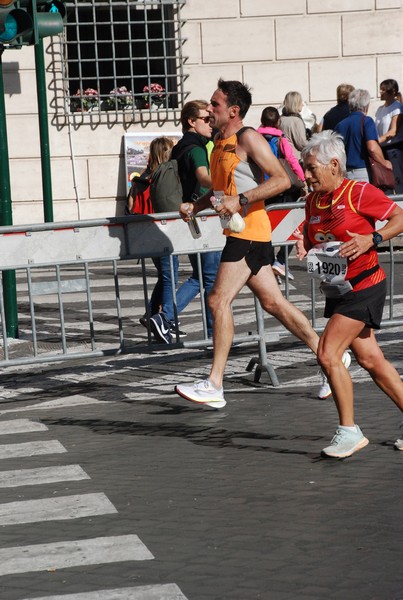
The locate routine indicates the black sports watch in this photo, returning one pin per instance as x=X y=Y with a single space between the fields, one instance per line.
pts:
x=243 y=201
x=377 y=239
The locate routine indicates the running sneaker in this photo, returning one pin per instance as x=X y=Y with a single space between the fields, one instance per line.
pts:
x=161 y=328
x=399 y=442
x=324 y=390
x=202 y=392
x=144 y=322
x=345 y=442
x=279 y=269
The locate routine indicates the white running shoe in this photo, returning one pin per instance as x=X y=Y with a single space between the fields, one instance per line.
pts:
x=324 y=390
x=279 y=269
x=345 y=443
x=399 y=442
x=202 y=392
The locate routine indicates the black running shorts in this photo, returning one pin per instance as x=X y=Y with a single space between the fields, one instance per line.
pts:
x=365 y=305
x=256 y=254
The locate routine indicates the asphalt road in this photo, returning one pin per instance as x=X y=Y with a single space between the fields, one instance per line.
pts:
x=114 y=488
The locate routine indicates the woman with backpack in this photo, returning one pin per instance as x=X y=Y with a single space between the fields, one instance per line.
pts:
x=194 y=172
x=160 y=151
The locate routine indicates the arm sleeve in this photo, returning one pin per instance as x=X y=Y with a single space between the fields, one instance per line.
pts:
x=291 y=158
x=198 y=158
x=370 y=129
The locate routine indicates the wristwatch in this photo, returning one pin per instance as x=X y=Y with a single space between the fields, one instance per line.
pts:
x=243 y=201
x=377 y=239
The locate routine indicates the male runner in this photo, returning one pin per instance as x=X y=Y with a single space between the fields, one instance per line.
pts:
x=239 y=159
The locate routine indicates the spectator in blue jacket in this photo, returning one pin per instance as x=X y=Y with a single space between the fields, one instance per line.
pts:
x=360 y=137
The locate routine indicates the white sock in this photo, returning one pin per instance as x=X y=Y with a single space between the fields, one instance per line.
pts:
x=353 y=428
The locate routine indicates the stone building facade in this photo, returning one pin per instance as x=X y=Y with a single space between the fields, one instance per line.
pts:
x=305 y=45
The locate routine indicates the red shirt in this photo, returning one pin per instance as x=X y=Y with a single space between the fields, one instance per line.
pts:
x=354 y=206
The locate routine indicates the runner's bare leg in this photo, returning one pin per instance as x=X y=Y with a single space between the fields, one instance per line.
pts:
x=231 y=277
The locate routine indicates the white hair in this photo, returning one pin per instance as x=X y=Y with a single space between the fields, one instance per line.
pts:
x=325 y=146
x=358 y=100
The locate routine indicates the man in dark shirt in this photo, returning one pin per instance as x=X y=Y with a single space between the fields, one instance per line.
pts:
x=341 y=110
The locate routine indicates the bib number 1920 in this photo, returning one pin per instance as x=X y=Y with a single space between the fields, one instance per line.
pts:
x=330 y=268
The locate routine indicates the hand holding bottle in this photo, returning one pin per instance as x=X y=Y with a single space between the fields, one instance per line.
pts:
x=235 y=222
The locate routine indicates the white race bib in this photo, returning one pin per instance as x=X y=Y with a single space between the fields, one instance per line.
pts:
x=325 y=263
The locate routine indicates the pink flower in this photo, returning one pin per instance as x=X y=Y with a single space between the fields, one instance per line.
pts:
x=155 y=93
x=89 y=98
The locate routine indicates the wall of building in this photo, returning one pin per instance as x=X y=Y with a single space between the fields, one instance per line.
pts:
x=305 y=45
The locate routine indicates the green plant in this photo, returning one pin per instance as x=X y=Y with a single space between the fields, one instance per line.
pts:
x=85 y=100
x=120 y=98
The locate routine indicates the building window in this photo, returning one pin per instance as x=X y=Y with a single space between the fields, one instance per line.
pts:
x=123 y=55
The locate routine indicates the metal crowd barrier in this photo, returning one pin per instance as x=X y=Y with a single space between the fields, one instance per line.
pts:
x=57 y=261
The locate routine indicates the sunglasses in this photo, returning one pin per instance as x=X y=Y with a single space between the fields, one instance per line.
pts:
x=205 y=119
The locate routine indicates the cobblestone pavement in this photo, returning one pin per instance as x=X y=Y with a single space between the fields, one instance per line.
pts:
x=114 y=488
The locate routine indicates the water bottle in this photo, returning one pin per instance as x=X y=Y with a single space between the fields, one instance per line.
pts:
x=194 y=227
x=234 y=223
x=216 y=201
x=192 y=223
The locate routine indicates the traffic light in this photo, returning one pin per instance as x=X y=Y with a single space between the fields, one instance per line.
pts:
x=14 y=22
x=25 y=22
x=48 y=18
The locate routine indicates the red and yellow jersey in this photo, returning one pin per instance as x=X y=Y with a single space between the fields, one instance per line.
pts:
x=233 y=176
x=354 y=206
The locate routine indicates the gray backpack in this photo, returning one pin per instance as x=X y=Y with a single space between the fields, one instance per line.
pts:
x=166 y=189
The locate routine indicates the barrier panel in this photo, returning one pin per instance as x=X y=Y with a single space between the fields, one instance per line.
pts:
x=58 y=262
x=81 y=285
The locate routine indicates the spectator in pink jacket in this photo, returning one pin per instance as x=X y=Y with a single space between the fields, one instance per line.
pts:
x=280 y=145
x=270 y=121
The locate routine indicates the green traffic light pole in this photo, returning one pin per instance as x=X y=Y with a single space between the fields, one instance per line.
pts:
x=44 y=131
x=37 y=27
x=6 y=218
x=9 y=277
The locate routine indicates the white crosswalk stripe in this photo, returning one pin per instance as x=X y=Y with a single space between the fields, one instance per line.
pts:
x=55 y=509
x=169 y=591
x=76 y=400
x=41 y=475
x=20 y=426
x=31 y=449
x=62 y=555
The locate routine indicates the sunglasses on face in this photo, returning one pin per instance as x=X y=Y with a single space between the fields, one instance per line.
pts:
x=205 y=119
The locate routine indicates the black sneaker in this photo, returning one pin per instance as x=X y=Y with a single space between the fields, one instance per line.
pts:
x=144 y=322
x=161 y=328
x=173 y=331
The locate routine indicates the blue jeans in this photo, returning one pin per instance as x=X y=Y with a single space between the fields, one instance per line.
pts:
x=163 y=287
x=191 y=287
x=156 y=295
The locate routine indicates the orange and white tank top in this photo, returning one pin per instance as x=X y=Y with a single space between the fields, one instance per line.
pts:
x=234 y=176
